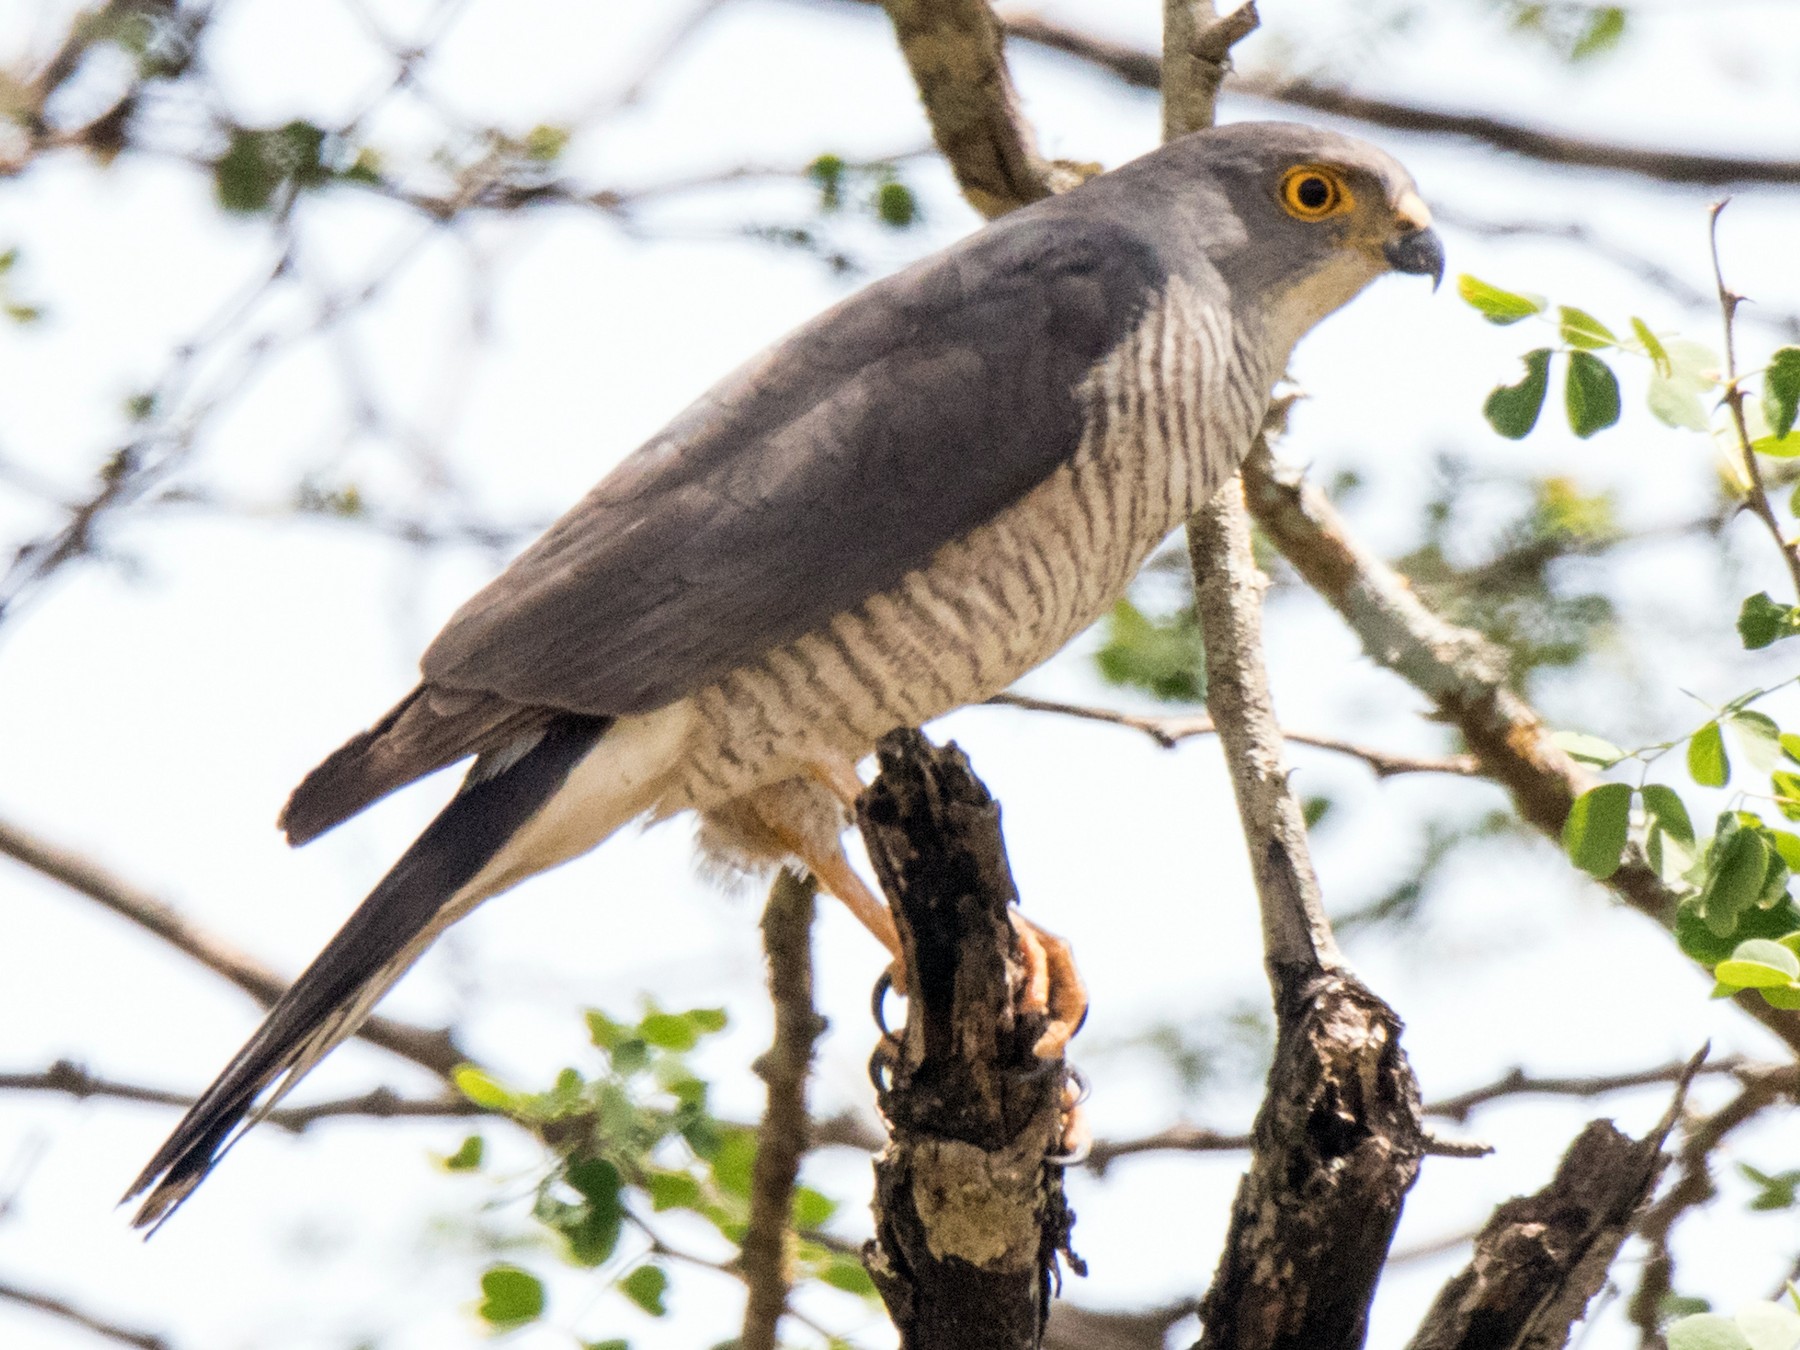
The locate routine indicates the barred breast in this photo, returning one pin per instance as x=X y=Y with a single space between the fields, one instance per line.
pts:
x=1171 y=412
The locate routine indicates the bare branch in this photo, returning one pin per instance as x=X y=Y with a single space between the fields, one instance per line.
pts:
x=1540 y=1259
x=1168 y=732
x=783 y=1136
x=1762 y=1088
x=952 y=48
x=72 y=1080
x=1138 y=67
x=1518 y=1083
x=1458 y=671
x=435 y=1050
x=68 y=1312
x=1756 y=501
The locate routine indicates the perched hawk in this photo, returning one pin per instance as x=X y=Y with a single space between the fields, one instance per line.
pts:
x=899 y=509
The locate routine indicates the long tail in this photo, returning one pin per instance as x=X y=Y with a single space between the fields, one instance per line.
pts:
x=426 y=891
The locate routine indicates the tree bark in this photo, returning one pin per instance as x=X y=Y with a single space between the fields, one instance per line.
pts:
x=969 y=1208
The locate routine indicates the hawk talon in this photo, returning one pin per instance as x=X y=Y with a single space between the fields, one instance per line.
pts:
x=884 y=985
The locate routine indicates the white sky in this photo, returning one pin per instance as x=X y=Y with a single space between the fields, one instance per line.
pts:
x=154 y=716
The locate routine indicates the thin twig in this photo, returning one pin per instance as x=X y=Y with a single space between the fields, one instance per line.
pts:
x=1701 y=1138
x=1757 y=502
x=70 y=1079
x=435 y=1050
x=1168 y=732
x=68 y=1312
x=782 y=1139
x=1518 y=1083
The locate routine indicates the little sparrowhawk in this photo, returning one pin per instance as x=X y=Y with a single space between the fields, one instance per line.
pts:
x=901 y=508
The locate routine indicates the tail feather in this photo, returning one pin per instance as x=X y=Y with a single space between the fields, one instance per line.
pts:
x=427 y=730
x=405 y=912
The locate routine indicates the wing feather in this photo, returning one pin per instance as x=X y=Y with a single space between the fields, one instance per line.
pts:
x=818 y=475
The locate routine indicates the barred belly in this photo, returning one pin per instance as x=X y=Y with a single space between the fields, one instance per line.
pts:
x=1169 y=416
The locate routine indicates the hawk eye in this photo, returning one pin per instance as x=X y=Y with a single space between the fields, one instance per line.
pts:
x=1312 y=192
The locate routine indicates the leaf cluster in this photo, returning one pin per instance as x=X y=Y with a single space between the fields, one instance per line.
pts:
x=636 y=1139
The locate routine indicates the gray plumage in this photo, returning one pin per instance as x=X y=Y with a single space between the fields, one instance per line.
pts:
x=903 y=506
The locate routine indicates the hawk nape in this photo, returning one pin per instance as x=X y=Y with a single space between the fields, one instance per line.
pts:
x=901 y=508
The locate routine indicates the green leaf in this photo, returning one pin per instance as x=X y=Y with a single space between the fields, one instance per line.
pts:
x=673 y=1190
x=1759 y=964
x=1698 y=941
x=1706 y=1331
x=1778 y=447
x=606 y=1345
x=708 y=1020
x=1512 y=409
x=1781 y=390
x=511 y=1297
x=1590 y=394
x=812 y=1208
x=1759 y=736
x=605 y=1033
x=597 y=1180
x=545 y=143
x=1581 y=329
x=1706 y=759
x=1605 y=26
x=645 y=1287
x=1675 y=398
x=1588 y=749
x=671 y=1031
x=1162 y=656
x=847 y=1273
x=1764 y=620
x=1652 y=348
x=479 y=1088
x=1594 y=834
x=1769 y=1326
x=1787 y=790
x=1666 y=811
x=1788 y=999
x=1496 y=305
x=732 y=1163
x=1787 y=848
x=896 y=206
x=1736 y=882
x=467 y=1158
x=1790 y=746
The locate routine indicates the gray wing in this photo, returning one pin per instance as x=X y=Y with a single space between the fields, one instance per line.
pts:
x=815 y=477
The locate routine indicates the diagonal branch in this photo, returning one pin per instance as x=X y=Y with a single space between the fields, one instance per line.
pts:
x=435 y=1050
x=1457 y=670
x=952 y=48
x=65 y=1311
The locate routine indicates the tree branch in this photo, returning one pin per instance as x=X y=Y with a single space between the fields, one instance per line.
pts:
x=381 y=1103
x=1458 y=671
x=952 y=48
x=68 y=1312
x=1168 y=732
x=783 y=1137
x=969 y=1210
x=1762 y=1088
x=1337 y=1141
x=1540 y=1259
x=1140 y=68
x=435 y=1050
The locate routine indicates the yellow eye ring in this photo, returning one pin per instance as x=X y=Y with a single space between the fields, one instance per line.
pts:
x=1313 y=192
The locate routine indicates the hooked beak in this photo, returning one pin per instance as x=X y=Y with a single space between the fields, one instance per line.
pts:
x=1418 y=250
